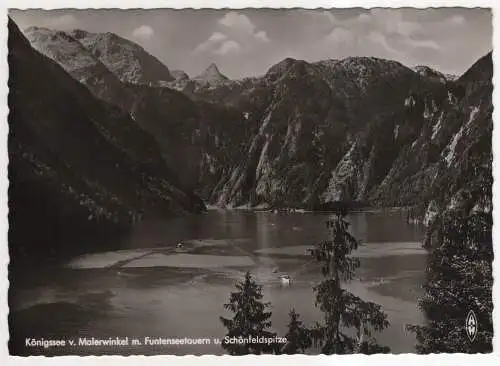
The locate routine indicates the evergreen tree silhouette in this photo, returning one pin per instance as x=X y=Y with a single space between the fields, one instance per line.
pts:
x=298 y=336
x=344 y=313
x=250 y=320
x=459 y=279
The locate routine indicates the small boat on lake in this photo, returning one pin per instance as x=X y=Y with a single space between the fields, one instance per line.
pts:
x=285 y=280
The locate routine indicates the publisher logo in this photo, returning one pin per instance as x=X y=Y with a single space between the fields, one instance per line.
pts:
x=471 y=325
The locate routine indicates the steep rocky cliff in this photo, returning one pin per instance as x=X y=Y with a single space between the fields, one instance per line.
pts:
x=323 y=132
x=78 y=166
x=199 y=140
x=452 y=148
x=363 y=129
x=307 y=134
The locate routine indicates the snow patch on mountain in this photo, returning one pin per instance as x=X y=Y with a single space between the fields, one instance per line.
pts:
x=262 y=158
x=266 y=121
x=451 y=147
x=437 y=127
x=472 y=115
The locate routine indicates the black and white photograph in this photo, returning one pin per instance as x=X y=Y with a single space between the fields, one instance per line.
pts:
x=251 y=181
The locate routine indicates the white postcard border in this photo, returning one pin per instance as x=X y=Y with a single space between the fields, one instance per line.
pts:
x=382 y=360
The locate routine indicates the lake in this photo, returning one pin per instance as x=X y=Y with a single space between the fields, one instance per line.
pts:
x=152 y=287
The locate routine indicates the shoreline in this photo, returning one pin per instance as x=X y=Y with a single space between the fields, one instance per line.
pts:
x=402 y=209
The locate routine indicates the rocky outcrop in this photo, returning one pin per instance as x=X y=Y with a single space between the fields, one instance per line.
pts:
x=127 y=60
x=431 y=73
x=78 y=61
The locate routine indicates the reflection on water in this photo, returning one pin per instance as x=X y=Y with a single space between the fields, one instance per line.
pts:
x=269 y=229
x=152 y=288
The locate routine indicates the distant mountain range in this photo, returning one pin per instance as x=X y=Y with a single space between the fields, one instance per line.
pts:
x=304 y=134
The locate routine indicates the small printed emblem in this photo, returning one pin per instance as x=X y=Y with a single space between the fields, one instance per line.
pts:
x=471 y=325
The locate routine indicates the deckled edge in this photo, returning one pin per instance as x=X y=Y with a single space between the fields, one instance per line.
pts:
x=4 y=184
x=242 y=4
x=495 y=145
x=382 y=360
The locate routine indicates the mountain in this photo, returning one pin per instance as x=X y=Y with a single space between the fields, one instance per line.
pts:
x=211 y=76
x=108 y=74
x=127 y=60
x=78 y=61
x=458 y=168
x=184 y=129
x=368 y=130
x=309 y=134
x=307 y=119
x=80 y=169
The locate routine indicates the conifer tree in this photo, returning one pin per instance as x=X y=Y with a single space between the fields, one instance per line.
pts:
x=298 y=336
x=250 y=319
x=459 y=268
x=459 y=279
x=344 y=313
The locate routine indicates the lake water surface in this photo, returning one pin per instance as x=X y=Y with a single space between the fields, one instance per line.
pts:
x=151 y=288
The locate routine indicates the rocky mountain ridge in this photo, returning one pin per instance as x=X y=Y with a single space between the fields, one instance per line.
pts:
x=308 y=134
x=128 y=61
x=394 y=133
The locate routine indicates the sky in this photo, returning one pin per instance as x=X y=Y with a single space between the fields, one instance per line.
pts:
x=247 y=42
